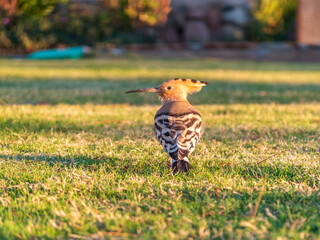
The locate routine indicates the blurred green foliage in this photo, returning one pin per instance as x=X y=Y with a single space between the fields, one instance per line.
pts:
x=273 y=21
x=37 y=24
x=37 y=8
x=38 y=33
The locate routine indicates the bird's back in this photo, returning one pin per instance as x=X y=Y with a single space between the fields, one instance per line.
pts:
x=178 y=129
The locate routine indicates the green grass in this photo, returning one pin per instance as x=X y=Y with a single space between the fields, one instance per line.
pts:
x=103 y=81
x=78 y=158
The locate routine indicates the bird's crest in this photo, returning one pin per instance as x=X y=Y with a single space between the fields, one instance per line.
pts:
x=190 y=81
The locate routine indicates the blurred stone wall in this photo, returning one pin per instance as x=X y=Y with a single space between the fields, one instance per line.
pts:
x=308 y=22
x=206 y=20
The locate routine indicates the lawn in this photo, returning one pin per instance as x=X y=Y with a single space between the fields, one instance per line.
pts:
x=78 y=158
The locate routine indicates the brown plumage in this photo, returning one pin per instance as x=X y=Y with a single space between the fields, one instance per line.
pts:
x=177 y=122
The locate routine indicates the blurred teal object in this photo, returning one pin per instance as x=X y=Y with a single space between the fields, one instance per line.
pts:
x=61 y=53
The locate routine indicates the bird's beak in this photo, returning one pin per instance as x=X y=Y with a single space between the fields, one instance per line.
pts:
x=153 y=90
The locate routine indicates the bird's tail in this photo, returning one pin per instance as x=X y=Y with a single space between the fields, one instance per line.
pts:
x=180 y=166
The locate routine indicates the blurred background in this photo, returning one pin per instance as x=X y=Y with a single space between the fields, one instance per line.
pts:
x=126 y=44
x=30 y=25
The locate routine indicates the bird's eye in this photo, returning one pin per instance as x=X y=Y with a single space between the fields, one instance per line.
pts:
x=169 y=88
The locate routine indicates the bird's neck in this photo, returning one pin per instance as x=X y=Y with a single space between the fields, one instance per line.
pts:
x=166 y=101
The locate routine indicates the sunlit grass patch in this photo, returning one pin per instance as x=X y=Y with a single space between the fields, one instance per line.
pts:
x=96 y=169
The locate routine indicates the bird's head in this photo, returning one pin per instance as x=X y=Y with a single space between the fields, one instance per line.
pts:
x=175 y=89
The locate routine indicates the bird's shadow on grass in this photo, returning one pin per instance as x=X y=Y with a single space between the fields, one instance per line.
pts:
x=93 y=163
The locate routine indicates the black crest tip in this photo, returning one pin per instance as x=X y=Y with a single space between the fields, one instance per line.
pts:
x=206 y=83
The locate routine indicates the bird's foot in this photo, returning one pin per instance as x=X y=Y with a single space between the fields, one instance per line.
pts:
x=180 y=166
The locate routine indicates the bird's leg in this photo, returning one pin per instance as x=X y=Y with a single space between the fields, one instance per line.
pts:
x=169 y=163
x=173 y=166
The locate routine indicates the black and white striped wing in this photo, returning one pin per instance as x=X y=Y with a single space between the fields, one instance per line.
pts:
x=178 y=134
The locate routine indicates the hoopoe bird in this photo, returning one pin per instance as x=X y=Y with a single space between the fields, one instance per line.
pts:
x=177 y=123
